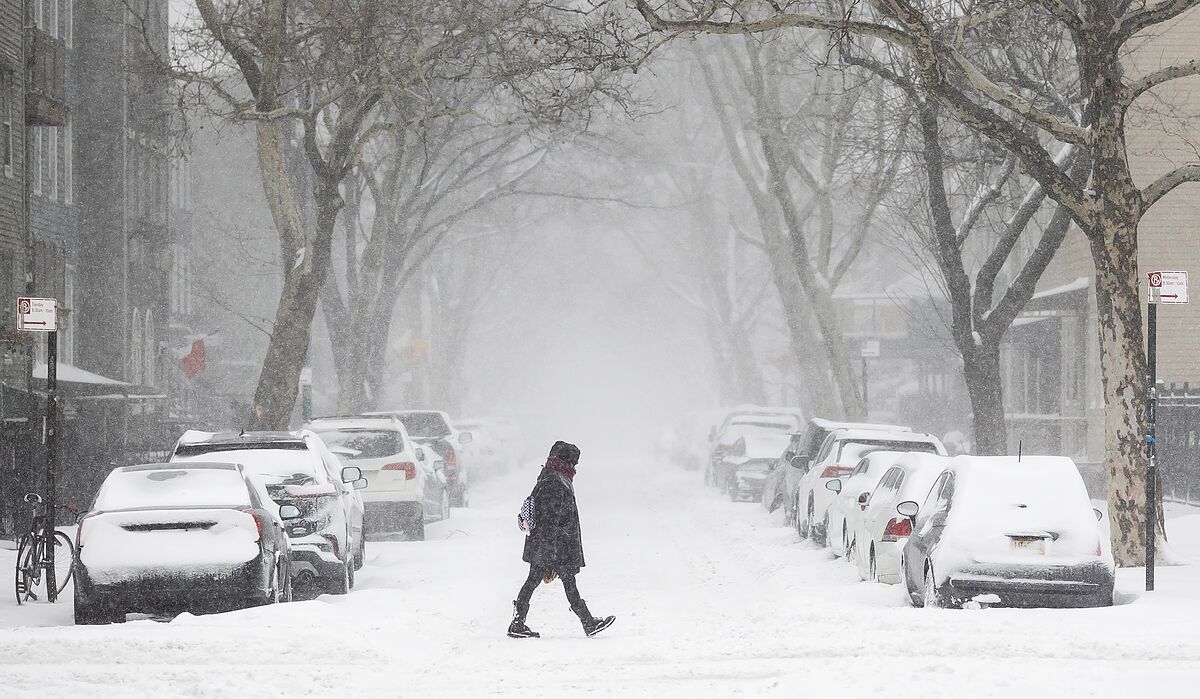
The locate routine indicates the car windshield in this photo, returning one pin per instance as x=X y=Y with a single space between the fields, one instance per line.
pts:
x=363 y=443
x=424 y=425
x=289 y=466
x=173 y=487
x=851 y=452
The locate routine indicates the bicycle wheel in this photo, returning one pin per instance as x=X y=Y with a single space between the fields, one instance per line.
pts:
x=64 y=559
x=26 y=570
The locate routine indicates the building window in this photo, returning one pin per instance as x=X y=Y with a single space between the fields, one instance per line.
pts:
x=68 y=162
x=52 y=161
x=68 y=22
x=7 y=140
x=137 y=332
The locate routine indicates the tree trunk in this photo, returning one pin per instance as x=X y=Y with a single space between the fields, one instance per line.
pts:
x=981 y=373
x=1123 y=373
x=279 y=382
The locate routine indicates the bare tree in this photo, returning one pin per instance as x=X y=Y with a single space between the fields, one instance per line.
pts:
x=816 y=177
x=318 y=74
x=951 y=50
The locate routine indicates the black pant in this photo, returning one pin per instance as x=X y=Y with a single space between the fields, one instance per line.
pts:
x=536 y=576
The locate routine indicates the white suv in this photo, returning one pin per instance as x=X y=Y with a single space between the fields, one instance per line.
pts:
x=839 y=454
x=404 y=487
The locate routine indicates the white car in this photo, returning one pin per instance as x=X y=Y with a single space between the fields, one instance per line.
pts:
x=1007 y=531
x=851 y=495
x=841 y=452
x=488 y=450
x=432 y=428
x=745 y=470
x=881 y=531
x=296 y=468
x=404 y=489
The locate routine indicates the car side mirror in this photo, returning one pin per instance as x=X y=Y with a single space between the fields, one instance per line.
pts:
x=1099 y=513
x=799 y=462
x=835 y=485
x=420 y=454
x=465 y=437
x=863 y=497
x=287 y=512
x=360 y=483
x=908 y=508
x=350 y=474
x=33 y=497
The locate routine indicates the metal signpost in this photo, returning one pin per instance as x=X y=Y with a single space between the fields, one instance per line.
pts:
x=41 y=316
x=1168 y=288
x=869 y=350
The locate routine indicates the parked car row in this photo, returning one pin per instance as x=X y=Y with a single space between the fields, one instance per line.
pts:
x=955 y=531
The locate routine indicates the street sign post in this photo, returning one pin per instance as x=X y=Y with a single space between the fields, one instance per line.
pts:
x=39 y=315
x=1168 y=288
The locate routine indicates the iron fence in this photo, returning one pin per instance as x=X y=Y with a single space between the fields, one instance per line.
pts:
x=1177 y=431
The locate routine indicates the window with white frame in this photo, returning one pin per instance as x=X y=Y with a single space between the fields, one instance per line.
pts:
x=68 y=12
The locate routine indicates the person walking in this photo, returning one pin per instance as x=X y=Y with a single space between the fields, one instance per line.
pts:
x=554 y=543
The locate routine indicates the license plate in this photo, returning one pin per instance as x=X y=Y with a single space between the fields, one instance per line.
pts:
x=1029 y=545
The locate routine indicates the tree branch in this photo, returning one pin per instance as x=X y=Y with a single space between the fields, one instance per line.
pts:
x=1148 y=82
x=1164 y=185
x=1151 y=15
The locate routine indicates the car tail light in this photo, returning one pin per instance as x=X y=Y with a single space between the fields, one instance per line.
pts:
x=835 y=471
x=1099 y=551
x=410 y=469
x=258 y=523
x=451 y=459
x=333 y=542
x=79 y=530
x=897 y=528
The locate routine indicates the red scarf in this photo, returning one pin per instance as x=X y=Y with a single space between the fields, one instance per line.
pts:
x=556 y=464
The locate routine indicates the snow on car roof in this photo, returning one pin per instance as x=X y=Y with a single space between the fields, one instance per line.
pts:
x=272 y=464
x=831 y=425
x=350 y=423
x=733 y=433
x=171 y=486
x=882 y=432
x=765 y=446
x=920 y=471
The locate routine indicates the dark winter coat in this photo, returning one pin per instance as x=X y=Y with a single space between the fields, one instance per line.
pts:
x=555 y=542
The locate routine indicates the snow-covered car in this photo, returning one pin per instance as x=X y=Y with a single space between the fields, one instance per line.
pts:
x=789 y=419
x=744 y=470
x=327 y=540
x=1007 y=531
x=488 y=451
x=433 y=429
x=839 y=454
x=782 y=483
x=180 y=537
x=881 y=532
x=728 y=437
x=850 y=497
x=404 y=490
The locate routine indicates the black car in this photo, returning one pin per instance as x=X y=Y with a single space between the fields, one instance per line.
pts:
x=1006 y=531
x=166 y=538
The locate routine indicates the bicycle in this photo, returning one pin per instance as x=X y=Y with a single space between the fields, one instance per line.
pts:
x=33 y=555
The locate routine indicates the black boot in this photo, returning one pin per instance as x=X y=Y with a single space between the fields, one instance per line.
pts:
x=591 y=625
x=518 y=629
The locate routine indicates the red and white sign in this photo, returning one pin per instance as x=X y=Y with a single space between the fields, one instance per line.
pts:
x=37 y=315
x=1168 y=287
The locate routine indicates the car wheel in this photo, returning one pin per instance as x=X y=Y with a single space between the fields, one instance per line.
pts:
x=734 y=495
x=850 y=550
x=874 y=572
x=288 y=594
x=458 y=495
x=930 y=596
x=845 y=542
x=445 y=512
x=821 y=537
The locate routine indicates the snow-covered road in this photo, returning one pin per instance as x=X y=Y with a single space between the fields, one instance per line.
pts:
x=712 y=599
